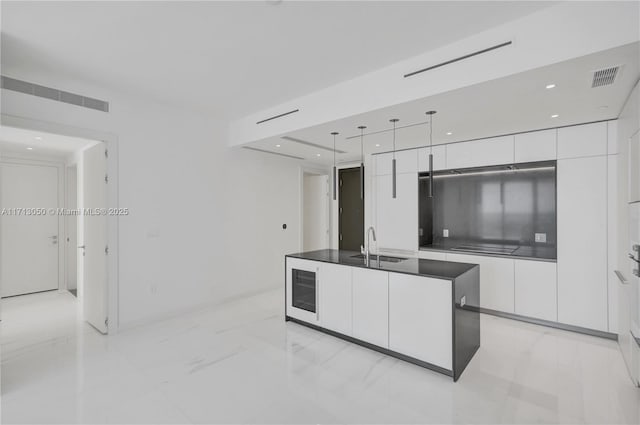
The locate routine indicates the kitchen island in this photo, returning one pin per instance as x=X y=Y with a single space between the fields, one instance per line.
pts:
x=412 y=309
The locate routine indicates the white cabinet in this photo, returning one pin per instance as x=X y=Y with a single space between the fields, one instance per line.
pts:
x=582 y=140
x=432 y=255
x=335 y=298
x=397 y=218
x=477 y=153
x=612 y=241
x=582 y=242
x=536 y=289
x=535 y=146
x=634 y=168
x=371 y=306
x=496 y=280
x=406 y=162
x=439 y=158
x=420 y=318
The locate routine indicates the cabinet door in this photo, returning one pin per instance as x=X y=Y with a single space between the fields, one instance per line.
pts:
x=536 y=289
x=432 y=255
x=371 y=306
x=582 y=242
x=397 y=219
x=335 y=298
x=535 y=146
x=406 y=162
x=496 y=280
x=494 y=151
x=439 y=158
x=634 y=168
x=582 y=140
x=420 y=318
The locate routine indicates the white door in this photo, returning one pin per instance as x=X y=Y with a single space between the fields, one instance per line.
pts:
x=94 y=238
x=28 y=237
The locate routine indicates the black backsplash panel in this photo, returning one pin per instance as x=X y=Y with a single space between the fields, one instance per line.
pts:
x=492 y=205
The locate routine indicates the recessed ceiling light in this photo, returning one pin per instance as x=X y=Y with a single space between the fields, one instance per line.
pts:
x=449 y=133
x=603 y=106
x=38 y=138
x=377 y=145
x=29 y=148
x=317 y=154
x=555 y=116
x=550 y=86
x=277 y=146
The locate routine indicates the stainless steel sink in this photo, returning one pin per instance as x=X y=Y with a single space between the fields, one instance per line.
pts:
x=373 y=257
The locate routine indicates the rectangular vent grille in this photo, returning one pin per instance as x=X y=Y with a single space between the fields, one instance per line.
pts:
x=54 y=94
x=604 y=77
x=278 y=116
x=273 y=153
x=467 y=56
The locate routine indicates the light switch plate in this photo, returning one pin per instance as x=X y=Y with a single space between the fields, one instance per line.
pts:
x=445 y=233
x=541 y=237
x=463 y=301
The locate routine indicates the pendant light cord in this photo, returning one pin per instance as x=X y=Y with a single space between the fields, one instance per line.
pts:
x=431 y=134
x=394 y=139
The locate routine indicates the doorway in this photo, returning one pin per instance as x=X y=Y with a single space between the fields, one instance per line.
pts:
x=53 y=195
x=350 y=210
x=315 y=211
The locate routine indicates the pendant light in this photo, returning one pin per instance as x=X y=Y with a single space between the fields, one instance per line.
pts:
x=393 y=161
x=430 y=188
x=335 y=171
x=362 y=127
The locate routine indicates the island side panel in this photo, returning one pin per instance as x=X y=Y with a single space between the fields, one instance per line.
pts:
x=466 y=319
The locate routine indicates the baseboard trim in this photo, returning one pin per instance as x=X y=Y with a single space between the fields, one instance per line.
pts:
x=548 y=323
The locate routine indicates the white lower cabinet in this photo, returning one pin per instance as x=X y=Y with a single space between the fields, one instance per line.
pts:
x=536 y=289
x=496 y=280
x=335 y=298
x=371 y=306
x=420 y=318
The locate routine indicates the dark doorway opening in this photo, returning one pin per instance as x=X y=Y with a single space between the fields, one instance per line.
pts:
x=350 y=210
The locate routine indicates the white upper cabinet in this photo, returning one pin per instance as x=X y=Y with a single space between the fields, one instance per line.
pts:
x=634 y=168
x=335 y=298
x=420 y=323
x=536 y=289
x=582 y=242
x=496 y=280
x=477 y=153
x=535 y=146
x=439 y=158
x=582 y=140
x=397 y=218
x=406 y=162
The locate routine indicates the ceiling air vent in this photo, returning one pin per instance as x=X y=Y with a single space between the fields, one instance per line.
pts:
x=605 y=77
x=54 y=94
x=458 y=59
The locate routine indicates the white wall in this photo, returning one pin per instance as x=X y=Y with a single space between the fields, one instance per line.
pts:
x=315 y=212
x=205 y=222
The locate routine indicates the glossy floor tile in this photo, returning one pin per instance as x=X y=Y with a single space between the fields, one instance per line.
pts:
x=241 y=363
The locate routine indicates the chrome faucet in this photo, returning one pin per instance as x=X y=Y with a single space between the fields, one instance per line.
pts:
x=367 y=252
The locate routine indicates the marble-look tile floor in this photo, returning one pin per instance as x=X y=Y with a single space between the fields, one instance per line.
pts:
x=241 y=363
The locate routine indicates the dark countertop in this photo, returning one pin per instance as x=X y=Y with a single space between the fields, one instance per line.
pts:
x=419 y=267
x=527 y=252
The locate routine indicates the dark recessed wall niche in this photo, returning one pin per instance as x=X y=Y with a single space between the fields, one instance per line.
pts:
x=502 y=205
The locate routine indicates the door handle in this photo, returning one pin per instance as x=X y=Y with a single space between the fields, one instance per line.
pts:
x=54 y=239
x=622 y=279
x=82 y=246
x=83 y=249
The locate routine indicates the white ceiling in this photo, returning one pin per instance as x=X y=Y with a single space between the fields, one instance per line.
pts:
x=513 y=104
x=232 y=58
x=17 y=140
